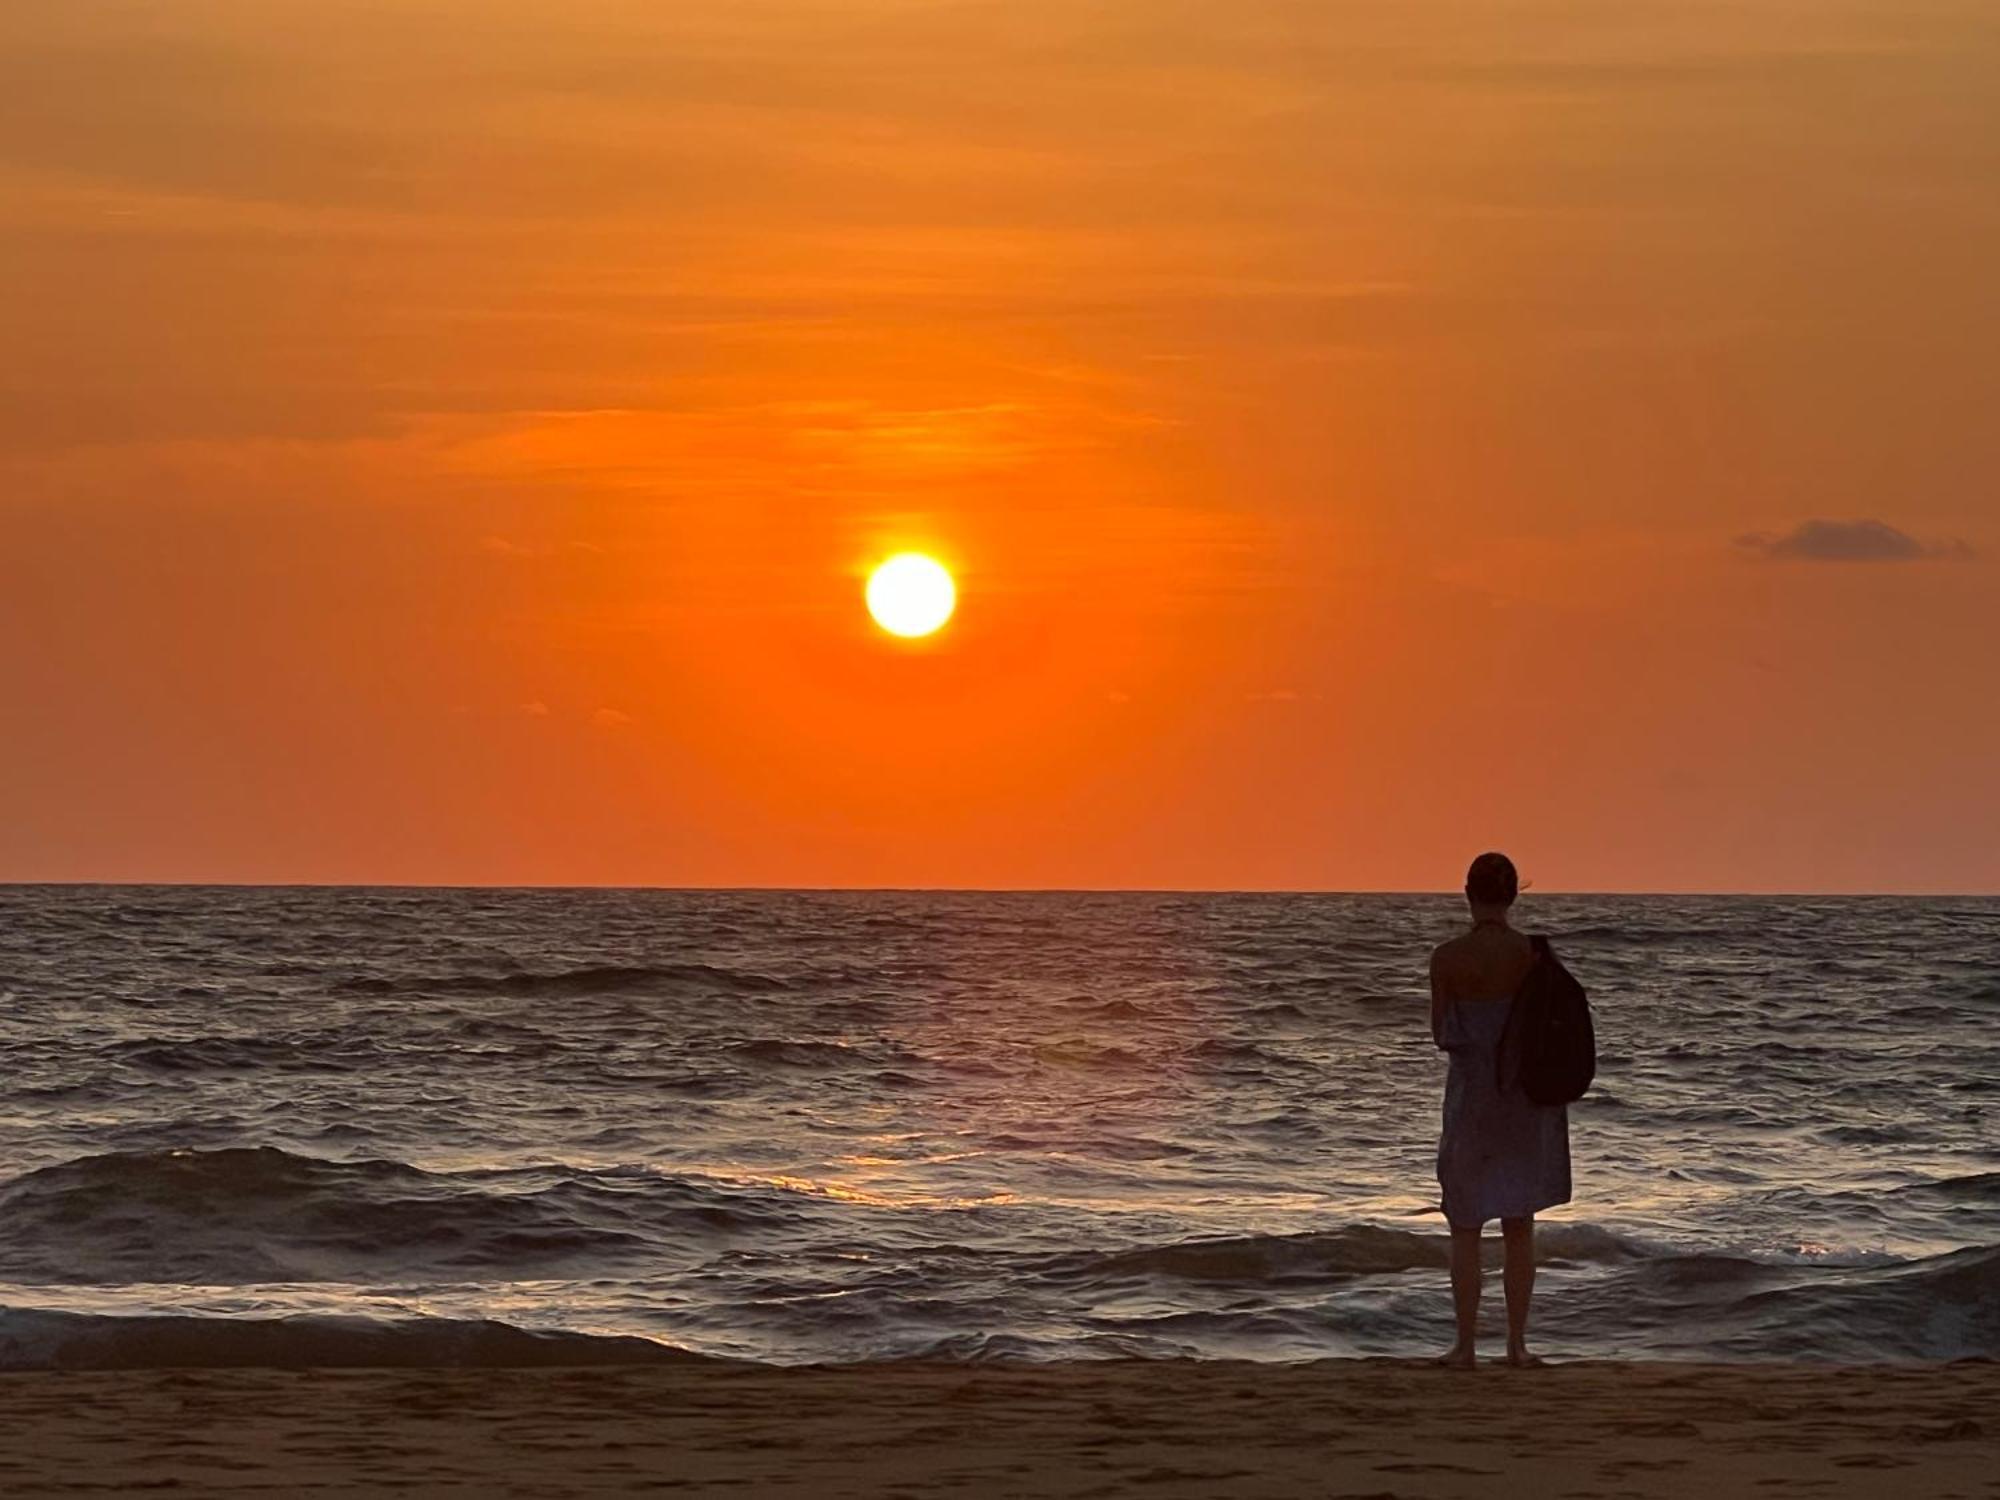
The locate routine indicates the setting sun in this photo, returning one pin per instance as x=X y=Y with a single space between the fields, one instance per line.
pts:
x=911 y=595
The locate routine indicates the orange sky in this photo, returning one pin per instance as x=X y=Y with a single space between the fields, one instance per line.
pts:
x=443 y=442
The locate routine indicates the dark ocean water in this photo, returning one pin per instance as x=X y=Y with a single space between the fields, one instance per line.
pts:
x=437 y=1127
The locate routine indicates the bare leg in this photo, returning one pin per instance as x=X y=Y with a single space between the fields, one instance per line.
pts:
x=1519 y=1279
x=1465 y=1284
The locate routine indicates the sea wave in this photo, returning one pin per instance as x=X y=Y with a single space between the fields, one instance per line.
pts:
x=1296 y=1297
x=1260 y=1260
x=44 y=1339
x=588 y=979
x=1279 y=1260
x=1972 y=1187
x=242 y=1215
x=755 y=1267
x=784 y=1053
x=1692 y=1307
x=1934 y=1308
x=233 y=1054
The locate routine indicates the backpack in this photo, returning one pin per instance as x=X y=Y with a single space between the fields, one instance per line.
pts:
x=1549 y=1030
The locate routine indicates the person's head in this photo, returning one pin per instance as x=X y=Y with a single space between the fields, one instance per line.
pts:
x=1492 y=884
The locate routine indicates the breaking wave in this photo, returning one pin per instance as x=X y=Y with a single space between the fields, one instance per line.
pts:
x=246 y=1215
x=733 y=1253
x=35 y=1339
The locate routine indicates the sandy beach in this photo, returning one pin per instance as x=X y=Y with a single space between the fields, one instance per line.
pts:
x=1338 y=1429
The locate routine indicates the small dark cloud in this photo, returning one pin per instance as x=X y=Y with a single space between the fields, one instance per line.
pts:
x=1848 y=542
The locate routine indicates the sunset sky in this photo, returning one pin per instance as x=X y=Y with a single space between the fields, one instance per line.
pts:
x=446 y=442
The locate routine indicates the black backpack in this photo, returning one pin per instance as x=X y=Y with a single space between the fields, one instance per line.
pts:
x=1549 y=1030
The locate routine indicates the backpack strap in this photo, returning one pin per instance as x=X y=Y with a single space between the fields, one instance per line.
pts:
x=1543 y=954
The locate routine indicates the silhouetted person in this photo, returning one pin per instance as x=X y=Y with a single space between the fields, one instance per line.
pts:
x=1501 y=1156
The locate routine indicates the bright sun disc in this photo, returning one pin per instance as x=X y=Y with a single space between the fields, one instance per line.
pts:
x=911 y=595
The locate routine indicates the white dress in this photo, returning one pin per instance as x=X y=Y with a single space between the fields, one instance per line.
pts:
x=1501 y=1156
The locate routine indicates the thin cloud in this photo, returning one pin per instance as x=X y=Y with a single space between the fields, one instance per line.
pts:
x=1848 y=542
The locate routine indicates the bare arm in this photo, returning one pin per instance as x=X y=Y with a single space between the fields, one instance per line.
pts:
x=1437 y=1001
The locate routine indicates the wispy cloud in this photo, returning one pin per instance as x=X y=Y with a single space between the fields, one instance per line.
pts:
x=1848 y=542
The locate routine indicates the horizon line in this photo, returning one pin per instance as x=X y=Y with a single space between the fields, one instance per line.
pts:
x=1773 y=894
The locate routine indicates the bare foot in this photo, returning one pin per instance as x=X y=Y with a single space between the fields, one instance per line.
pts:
x=1519 y=1357
x=1456 y=1358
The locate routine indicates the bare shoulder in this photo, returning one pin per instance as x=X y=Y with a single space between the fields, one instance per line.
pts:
x=1448 y=957
x=1483 y=964
x=1451 y=950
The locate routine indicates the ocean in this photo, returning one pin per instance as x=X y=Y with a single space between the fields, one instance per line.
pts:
x=442 y=1127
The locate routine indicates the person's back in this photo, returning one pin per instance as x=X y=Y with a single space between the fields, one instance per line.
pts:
x=1500 y=1155
x=1487 y=963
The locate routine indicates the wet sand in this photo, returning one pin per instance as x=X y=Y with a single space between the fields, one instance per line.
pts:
x=1340 y=1429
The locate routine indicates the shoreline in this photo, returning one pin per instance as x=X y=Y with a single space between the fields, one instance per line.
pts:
x=1374 y=1428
